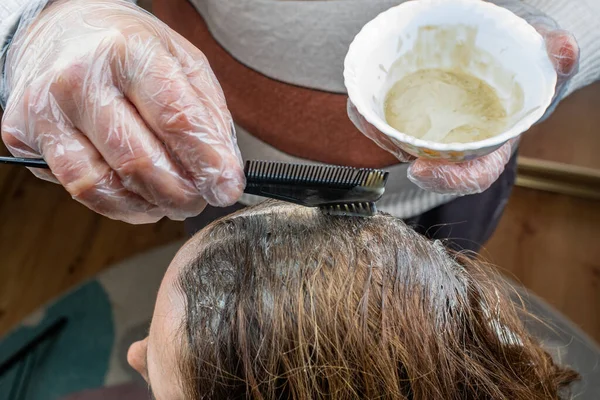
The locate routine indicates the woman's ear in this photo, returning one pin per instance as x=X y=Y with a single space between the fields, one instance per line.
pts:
x=136 y=357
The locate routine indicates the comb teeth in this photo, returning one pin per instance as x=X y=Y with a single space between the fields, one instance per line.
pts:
x=367 y=209
x=275 y=172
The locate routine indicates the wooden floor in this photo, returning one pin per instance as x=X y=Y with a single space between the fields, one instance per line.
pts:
x=551 y=244
x=49 y=243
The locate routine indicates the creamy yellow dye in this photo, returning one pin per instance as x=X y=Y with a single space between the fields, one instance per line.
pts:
x=445 y=106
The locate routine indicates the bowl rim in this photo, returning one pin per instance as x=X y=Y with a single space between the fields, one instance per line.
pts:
x=546 y=68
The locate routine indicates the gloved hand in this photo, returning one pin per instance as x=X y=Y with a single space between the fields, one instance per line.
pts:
x=127 y=113
x=477 y=175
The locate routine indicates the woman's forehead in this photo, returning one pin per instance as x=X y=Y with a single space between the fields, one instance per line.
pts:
x=165 y=338
x=188 y=252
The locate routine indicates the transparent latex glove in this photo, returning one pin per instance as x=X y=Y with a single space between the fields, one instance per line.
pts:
x=477 y=175
x=127 y=113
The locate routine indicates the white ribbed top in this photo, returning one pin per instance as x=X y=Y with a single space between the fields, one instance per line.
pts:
x=8 y=7
x=10 y=11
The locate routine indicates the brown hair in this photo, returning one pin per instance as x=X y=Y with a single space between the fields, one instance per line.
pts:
x=286 y=303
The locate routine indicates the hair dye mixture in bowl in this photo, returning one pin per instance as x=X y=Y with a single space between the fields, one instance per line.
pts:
x=447 y=90
x=445 y=106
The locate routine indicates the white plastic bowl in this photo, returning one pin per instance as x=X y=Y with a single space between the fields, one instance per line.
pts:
x=515 y=45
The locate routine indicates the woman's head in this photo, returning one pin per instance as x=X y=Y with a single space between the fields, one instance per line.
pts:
x=279 y=301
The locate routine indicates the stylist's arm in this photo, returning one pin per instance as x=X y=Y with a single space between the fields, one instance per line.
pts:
x=127 y=113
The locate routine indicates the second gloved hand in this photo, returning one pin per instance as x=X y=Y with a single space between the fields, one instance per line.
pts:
x=126 y=112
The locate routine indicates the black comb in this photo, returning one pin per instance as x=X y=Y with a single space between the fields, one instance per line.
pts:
x=336 y=190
